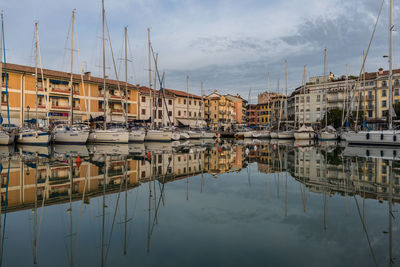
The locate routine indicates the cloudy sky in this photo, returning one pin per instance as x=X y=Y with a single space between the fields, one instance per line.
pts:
x=231 y=45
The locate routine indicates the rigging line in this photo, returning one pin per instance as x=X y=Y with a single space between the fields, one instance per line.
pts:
x=115 y=69
x=5 y=71
x=113 y=222
x=161 y=80
x=81 y=208
x=365 y=58
x=160 y=198
x=365 y=230
x=64 y=63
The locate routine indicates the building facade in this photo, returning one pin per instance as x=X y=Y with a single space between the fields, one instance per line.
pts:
x=219 y=111
x=54 y=92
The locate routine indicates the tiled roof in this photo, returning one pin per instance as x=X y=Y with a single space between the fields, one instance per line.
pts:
x=183 y=94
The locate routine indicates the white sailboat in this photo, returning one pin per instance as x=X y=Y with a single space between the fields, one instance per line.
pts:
x=286 y=134
x=34 y=135
x=115 y=135
x=383 y=137
x=304 y=132
x=71 y=134
x=6 y=137
x=163 y=135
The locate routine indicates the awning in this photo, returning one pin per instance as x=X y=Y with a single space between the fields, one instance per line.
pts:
x=192 y=123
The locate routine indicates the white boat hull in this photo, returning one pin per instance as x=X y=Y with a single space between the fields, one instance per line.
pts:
x=286 y=135
x=137 y=135
x=71 y=137
x=34 y=138
x=207 y=135
x=304 y=135
x=184 y=136
x=328 y=136
x=194 y=134
x=386 y=137
x=155 y=135
x=6 y=138
x=107 y=136
x=274 y=135
x=176 y=136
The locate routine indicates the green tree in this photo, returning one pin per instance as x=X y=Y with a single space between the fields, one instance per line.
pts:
x=334 y=118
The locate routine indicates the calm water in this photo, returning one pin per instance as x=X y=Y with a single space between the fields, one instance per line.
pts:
x=230 y=204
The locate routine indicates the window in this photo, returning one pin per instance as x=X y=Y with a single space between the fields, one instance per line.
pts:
x=143 y=112
x=184 y=113
x=369 y=94
x=190 y=102
x=179 y=100
x=308 y=99
x=143 y=99
x=179 y=112
x=383 y=113
x=160 y=114
x=396 y=82
x=384 y=83
x=396 y=91
x=370 y=113
x=190 y=114
x=184 y=101
x=318 y=98
x=170 y=102
x=383 y=93
x=159 y=103
x=194 y=102
x=170 y=113
x=384 y=103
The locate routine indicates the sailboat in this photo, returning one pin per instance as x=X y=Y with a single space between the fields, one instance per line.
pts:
x=32 y=134
x=135 y=134
x=6 y=137
x=286 y=134
x=152 y=134
x=70 y=133
x=329 y=132
x=304 y=132
x=383 y=137
x=112 y=135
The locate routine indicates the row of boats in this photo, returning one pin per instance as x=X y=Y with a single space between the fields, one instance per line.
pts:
x=81 y=134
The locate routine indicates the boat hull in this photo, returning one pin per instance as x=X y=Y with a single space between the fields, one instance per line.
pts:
x=105 y=136
x=194 y=134
x=137 y=136
x=328 y=136
x=34 y=138
x=71 y=137
x=274 y=135
x=6 y=138
x=304 y=135
x=388 y=137
x=208 y=135
x=152 y=135
x=286 y=135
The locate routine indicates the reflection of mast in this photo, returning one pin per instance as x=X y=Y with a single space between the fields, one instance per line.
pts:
x=390 y=213
x=70 y=211
x=126 y=203
x=149 y=215
x=5 y=213
x=35 y=215
x=104 y=211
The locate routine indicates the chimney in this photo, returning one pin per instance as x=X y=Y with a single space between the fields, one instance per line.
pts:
x=380 y=72
x=87 y=75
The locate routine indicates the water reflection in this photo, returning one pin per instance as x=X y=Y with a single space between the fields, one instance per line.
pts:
x=88 y=204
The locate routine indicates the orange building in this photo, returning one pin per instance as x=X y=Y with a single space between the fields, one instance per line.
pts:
x=53 y=96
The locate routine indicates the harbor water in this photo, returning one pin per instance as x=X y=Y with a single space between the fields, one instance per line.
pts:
x=232 y=203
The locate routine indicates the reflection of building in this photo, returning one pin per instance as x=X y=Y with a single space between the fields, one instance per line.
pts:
x=218 y=160
x=54 y=181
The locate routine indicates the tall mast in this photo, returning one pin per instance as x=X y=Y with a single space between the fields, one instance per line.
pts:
x=326 y=92
x=304 y=96
x=163 y=93
x=187 y=100
x=280 y=108
x=104 y=67
x=286 y=96
x=71 y=98
x=36 y=73
x=1 y=56
x=154 y=112
x=150 y=85
x=390 y=65
x=126 y=75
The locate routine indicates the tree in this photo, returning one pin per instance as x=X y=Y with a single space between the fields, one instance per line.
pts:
x=334 y=118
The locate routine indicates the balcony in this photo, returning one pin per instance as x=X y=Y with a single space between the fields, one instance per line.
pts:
x=336 y=99
x=62 y=107
x=222 y=112
x=369 y=98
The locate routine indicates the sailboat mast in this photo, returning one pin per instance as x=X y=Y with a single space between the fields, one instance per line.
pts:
x=71 y=98
x=150 y=85
x=280 y=108
x=104 y=66
x=36 y=73
x=304 y=95
x=325 y=90
x=286 y=96
x=390 y=65
x=126 y=75
x=187 y=100
x=1 y=56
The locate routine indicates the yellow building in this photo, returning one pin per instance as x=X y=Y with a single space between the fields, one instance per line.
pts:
x=270 y=109
x=219 y=111
x=54 y=92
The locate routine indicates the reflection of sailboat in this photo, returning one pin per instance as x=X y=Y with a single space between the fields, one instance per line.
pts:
x=3 y=225
x=71 y=150
x=31 y=150
x=109 y=149
x=391 y=153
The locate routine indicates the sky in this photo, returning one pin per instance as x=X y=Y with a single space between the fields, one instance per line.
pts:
x=230 y=45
